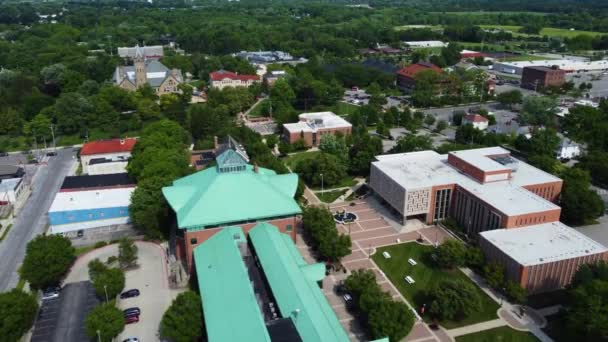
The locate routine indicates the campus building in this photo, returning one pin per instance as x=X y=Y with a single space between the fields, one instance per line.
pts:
x=476 y=120
x=482 y=189
x=534 y=77
x=147 y=71
x=406 y=77
x=564 y=64
x=149 y=52
x=74 y=211
x=11 y=190
x=231 y=193
x=312 y=126
x=11 y=171
x=542 y=257
x=222 y=78
x=106 y=156
x=257 y=287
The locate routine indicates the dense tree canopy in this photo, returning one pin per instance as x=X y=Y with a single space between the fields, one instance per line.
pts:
x=106 y=319
x=319 y=224
x=454 y=299
x=47 y=259
x=183 y=320
x=17 y=313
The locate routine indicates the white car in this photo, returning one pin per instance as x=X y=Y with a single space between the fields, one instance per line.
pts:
x=131 y=339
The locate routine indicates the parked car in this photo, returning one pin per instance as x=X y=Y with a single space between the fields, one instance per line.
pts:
x=129 y=293
x=131 y=339
x=348 y=300
x=50 y=293
x=133 y=309
x=131 y=314
x=51 y=154
x=131 y=319
x=3 y=154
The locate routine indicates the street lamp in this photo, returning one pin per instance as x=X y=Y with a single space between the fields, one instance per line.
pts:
x=105 y=289
x=98 y=336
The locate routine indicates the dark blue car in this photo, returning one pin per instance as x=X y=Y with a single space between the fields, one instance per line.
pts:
x=129 y=293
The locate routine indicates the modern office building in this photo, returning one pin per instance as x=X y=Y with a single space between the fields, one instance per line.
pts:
x=312 y=126
x=106 y=156
x=533 y=77
x=482 y=189
x=259 y=288
x=231 y=193
x=73 y=211
x=541 y=257
x=565 y=64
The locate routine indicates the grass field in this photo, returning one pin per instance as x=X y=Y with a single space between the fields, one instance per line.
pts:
x=295 y=158
x=490 y=13
x=426 y=275
x=330 y=196
x=547 y=31
x=523 y=58
x=257 y=110
x=343 y=108
x=501 y=334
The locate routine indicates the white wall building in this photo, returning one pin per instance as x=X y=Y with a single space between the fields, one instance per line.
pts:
x=426 y=44
x=10 y=190
x=478 y=121
x=564 y=64
x=106 y=156
x=568 y=149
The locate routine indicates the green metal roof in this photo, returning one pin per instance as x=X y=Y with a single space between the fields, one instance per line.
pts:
x=211 y=198
x=291 y=280
x=229 y=304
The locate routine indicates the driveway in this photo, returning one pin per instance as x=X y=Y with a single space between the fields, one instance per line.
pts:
x=32 y=220
x=151 y=280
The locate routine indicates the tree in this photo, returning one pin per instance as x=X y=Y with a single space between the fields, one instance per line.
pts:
x=543 y=142
x=467 y=134
x=390 y=319
x=587 y=316
x=597 y=164
x=17 y=313
x=334 y=145
x=451 y=253
x=425 y=92
x=47 y=259
x=454 y=299
x=441 y=125
x=362 y=152
x=105 y=322
x=580 y=205
x=106 y=281
x=320 y=226
x=494 y=274
x=539 y=110
x=412 y=143
x=532 y=27
x=515 y=292
x=148 y=208
x=127 y=253
x=328 y=165
x=429 y=120
x=474 y=257
x=183 y=319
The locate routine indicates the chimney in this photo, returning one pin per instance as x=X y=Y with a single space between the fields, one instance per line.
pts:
x=255 y=167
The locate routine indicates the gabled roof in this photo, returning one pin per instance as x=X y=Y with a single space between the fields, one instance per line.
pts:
x=475 y=118
x=211 y=198
x=229 y=303
x=413 y=69
x=108 y=146
x=223 y=74
x=294 y=285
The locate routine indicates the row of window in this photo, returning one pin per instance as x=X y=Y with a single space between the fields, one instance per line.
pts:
x=121 y=212
x=442 y=203
x=531 y=220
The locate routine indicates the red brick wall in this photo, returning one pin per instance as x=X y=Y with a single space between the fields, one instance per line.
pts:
x=187 y=248
x=531 y=219
x=549 y=191
x=466 y=167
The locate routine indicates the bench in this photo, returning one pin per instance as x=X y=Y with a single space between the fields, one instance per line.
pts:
x=412 y=262
x=386 y=255
x=410 y=280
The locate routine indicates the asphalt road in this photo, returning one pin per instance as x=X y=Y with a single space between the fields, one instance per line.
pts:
x=32 y=219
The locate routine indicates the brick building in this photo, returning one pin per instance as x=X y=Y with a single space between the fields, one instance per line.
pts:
x=406 y=77
x=478 y=121
x=222 y=78
x=312 y=126
x=106 y=156
x=482 y=189
x=542 y=257
x=231 y=193
x=534 y=77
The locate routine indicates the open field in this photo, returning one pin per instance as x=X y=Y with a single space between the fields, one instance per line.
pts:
x=409 y=27
x=426 y=275
x=502 y=334
x=490 y=13
x=330 y=196
x=546 y=31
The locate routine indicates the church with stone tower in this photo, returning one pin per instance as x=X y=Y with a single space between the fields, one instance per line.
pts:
x=148 y=71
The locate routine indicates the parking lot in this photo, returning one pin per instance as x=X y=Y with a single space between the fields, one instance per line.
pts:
x=62 y=319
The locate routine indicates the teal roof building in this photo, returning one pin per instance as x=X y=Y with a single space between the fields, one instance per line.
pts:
x=231 y=193
x=279 y=300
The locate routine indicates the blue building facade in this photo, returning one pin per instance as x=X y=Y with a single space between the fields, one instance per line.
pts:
x=84 y=215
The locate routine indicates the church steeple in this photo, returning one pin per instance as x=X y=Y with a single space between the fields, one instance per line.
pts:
x=139 y=62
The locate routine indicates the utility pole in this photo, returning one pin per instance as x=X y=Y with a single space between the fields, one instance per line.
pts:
x=98 y=336
x=53 y=134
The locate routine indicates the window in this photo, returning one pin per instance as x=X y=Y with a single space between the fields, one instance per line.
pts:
x=288 y=227
x=193 y=241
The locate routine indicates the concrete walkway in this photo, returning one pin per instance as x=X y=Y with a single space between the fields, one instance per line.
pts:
x=473 y=328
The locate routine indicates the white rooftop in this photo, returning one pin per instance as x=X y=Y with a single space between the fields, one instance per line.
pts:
x=565 y=64
x=479 y=159
x=91 y=199
x=427 y=43
x=543 y=243
x=9 y=184
x=425 y=169
x=311 y=122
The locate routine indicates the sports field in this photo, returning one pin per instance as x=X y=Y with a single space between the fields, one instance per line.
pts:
x=546 y=31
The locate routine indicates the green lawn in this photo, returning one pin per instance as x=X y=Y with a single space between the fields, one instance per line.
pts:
x=501 y=334
x=258 y=109
x=489 y=13
x=546 y=31
x=330 y=196
x=292 y=160
x=426 y=275
x=343 y=108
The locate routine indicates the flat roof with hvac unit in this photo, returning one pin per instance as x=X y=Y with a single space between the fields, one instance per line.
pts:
x=311 y=122
x=543 y=243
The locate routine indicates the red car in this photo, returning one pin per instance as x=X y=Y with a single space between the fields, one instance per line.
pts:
x=131 y=319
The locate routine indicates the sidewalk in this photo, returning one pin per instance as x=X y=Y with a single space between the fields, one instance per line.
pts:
x=473 y=328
